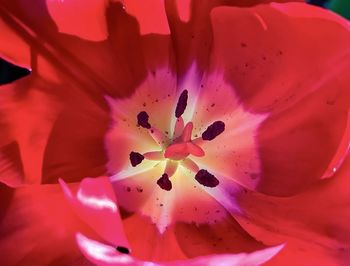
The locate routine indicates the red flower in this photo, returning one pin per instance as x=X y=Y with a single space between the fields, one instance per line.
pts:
x=245 y=105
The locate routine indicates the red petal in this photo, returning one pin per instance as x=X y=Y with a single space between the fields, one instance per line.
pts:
x=239 y=259
x=83 y=19
x=150 y=16
x=148 y=244
x=12 y=47
x=205 y=239
x=96 y=205
x=37 y=227
x=27 y=115
x=75 y=146
x=192 y=32
x=307 y=106
x=114 y=66
x=11 y=168
x=314 y=224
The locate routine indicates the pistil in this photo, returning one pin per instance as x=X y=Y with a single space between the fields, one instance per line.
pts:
x=177 y=150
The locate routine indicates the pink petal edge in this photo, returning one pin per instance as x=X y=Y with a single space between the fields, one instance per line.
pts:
x=95 y=203
x=105 y=255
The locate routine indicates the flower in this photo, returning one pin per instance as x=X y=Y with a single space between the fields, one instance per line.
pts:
x=257 y=85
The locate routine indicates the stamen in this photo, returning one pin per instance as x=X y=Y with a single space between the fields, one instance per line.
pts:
x=198 y=141
x=159 y=137
x=181 y=104
x=142 y=120
x=123 y=250
x=179 y=127
x=206 y=179
x=190 y=165
x=154 y=155
x=170 y=168
x=135 y=158
x=213 y=130
x=164 y=183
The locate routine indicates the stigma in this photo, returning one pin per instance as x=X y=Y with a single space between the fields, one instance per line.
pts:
x=179 y=150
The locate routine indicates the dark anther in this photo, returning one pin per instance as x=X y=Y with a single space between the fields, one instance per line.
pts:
x=181 y=104
x=142 y=120
x=206 y=179
x=135 y=158
x=213 y=130
x=123 y=250
x=164 y=182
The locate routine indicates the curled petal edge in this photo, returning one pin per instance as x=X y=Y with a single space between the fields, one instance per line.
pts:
x=105 y=255
x=96 y=205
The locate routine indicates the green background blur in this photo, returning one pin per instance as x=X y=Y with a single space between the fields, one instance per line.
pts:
x=341 y=7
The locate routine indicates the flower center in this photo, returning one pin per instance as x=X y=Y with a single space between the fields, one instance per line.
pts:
x=178 y=149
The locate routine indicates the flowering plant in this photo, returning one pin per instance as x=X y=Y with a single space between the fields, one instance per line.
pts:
x=174 y=133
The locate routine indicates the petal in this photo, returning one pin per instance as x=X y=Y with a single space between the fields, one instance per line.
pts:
x=151 y=16
x=234 y=153
x=185 y=220
x=101 y=255
x=27 y=117
x=290 y=145
x=84 y=71
x=75 y=17
x=191 y=29
x=12 y=47
x=153 y=245
x=314 y=224
x=37 y=227
x=11 y=168
x=271 y=75
x=114 y=66
x=96 y=204
x=252 y=259
x=75 y=145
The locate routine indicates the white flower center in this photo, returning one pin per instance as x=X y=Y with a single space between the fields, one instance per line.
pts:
x=176 y=150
